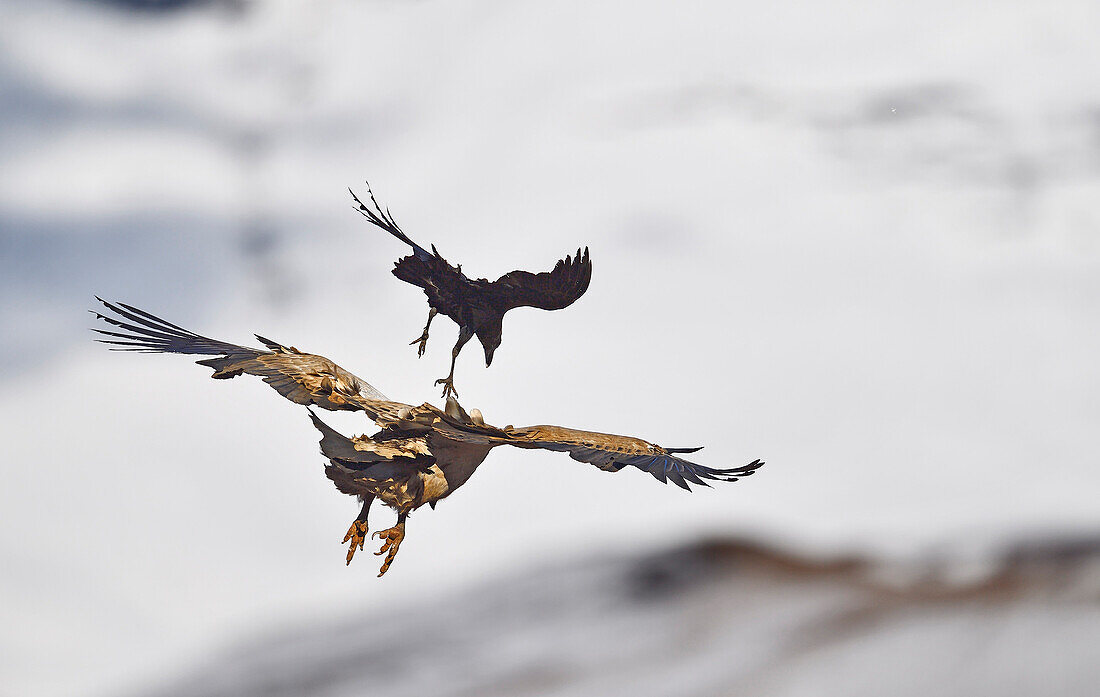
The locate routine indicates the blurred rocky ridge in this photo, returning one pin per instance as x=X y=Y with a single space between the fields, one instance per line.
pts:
x=726 y=616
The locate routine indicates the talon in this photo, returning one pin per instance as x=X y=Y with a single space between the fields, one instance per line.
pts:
x=393 y=538
x=448 y=387
x=423 y=341
x=357 y=534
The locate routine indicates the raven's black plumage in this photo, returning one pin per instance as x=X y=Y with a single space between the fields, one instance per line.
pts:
x=478 y=306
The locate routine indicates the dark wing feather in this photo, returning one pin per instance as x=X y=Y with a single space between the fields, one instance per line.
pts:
x=146 y=332
x=442 y=282
x=612 y=453
x=549 y=290
x=303 y=378
x=384 y=219
x=445 y=285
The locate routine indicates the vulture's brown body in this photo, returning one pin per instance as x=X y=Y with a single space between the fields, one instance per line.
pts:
x=421 y=454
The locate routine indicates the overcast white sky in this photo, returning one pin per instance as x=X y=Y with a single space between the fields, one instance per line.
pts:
x=858 y=240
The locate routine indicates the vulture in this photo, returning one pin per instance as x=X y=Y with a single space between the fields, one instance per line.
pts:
x=421 y=454
x=477 y=306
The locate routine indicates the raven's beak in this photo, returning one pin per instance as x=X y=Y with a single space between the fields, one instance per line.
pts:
x=489 y=356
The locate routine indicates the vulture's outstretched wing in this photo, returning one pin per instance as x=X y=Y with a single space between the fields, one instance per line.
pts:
x=549 y=290
x=612 y=453
x=303 y=378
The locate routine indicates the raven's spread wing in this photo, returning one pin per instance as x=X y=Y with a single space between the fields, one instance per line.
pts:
x=303 y=378
x=612 y=453
x=384 y=219
x=445 y=285
x=549 y=290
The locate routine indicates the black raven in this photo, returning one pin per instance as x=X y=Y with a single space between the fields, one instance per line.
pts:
x=477 y=305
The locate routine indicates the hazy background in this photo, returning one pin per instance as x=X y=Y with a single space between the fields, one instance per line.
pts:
x=859 y=240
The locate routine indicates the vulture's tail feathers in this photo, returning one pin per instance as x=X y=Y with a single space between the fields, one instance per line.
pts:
x=338 y=447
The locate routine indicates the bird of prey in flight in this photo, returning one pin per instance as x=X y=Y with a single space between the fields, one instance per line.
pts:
x=477 y=306
x=421 y=454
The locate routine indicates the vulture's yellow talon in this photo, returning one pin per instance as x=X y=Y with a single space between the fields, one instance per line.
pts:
x=392 y=542
x=357 y=533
